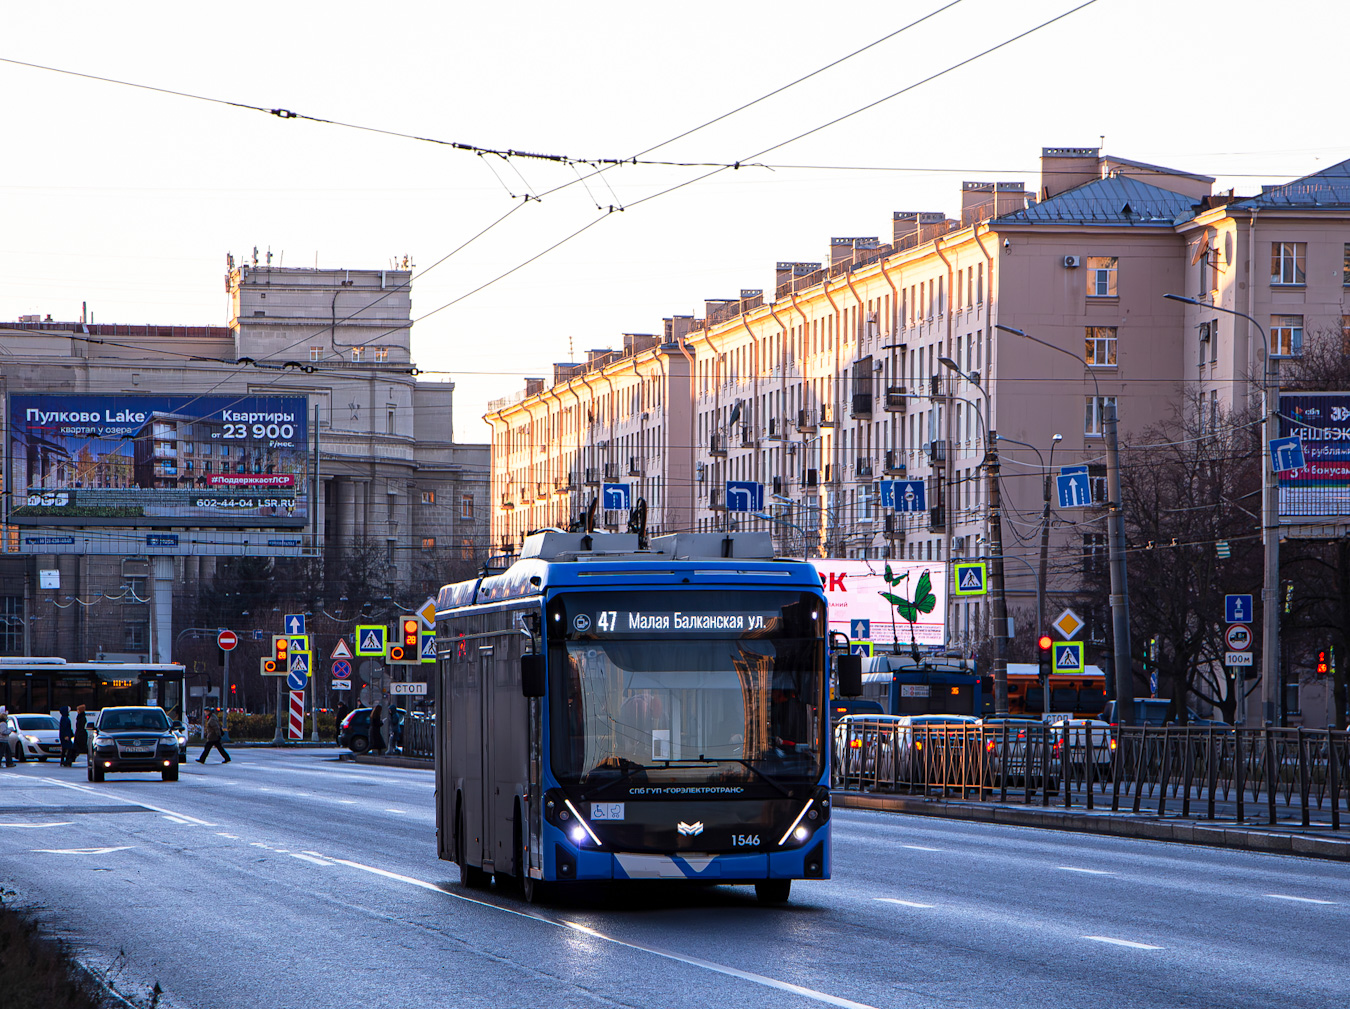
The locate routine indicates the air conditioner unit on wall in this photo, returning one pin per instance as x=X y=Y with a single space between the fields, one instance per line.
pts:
x=1072 y=262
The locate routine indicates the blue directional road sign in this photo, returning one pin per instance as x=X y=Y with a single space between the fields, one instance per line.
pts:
x=1286 y=454
x=1069 y=657
x=860 y=630
x=745 y=496
x=297 y=675
x=342 y=669
x=615 y=497
x=1071 y=470
x=1075 y=490
x=1238 y=609
x=294 y=623
x=903 y=495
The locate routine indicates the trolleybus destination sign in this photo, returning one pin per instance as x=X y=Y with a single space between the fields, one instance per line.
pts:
x=679 y=622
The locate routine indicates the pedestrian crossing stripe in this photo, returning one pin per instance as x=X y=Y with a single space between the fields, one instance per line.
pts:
x=1069 y=657
x=971 y=579
x=370 y=639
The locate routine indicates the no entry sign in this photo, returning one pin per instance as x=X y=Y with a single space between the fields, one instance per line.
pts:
x=227 y=640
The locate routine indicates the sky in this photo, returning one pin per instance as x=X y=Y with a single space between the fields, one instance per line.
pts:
x=129 y=199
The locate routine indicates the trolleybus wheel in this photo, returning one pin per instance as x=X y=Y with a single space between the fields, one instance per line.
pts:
x=773 y=891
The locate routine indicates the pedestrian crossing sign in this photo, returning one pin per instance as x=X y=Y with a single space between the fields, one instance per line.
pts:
x=371 y=639
x=427 y=640
x=1069 y=657
x=300 y=663
x=862 y=648
x=971 y=579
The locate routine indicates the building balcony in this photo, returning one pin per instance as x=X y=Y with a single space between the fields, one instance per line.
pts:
x=895 y=463
x=897 y=400
x=862 y=404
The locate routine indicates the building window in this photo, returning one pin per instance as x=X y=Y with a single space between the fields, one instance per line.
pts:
x=1287 y=262
x=11 y=624
x=389 y=419
x=1101 y=276
x=1100 y=351
x=428 y=542
x=381 y=355
x=358 y=355
x=316 y=353
x=1094 y=553
x=428 y=497
x=466 y=506
x=1345 y=266
x=1094 y=424
x=1286 y=335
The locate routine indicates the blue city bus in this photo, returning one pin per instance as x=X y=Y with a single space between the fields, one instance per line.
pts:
x=928 y=685
x=612 y=710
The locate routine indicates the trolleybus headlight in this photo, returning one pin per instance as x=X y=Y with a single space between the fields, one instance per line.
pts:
x=578 y=835
x=801 y=833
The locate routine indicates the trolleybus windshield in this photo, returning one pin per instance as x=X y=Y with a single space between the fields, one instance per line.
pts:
x=690 y=686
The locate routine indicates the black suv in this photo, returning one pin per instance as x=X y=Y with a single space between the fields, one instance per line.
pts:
x=133 y=739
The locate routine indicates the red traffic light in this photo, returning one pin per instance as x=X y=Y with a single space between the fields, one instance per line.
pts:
x=397 y=653
x=1044 y=643
x=410 y=631
x=1322 y=667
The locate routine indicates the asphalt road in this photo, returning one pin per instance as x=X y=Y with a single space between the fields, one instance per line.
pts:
x=288 y=879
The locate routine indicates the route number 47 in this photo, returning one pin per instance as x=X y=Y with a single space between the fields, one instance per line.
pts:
x=607 y=621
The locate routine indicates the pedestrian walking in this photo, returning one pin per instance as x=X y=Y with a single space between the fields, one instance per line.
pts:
x=81 y=742
x=341 y=716
x=7 y=738
x=211 y=737
x=377 y=729
x=390 y=728
x=67 y=737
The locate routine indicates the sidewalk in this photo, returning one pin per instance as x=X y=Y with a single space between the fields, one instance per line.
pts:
x=424 y=763
x=1283 y=838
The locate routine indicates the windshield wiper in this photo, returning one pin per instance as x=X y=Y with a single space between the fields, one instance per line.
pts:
x=734 y=760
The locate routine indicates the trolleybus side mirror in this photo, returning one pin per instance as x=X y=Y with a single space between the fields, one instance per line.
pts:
x=849 y=670
x=532 y=677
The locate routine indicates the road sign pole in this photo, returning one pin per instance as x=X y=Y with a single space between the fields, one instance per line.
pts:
x=1270 y=511
x=1120 y=594
x=279 y=739
x=1000 y=601
x=225 y=702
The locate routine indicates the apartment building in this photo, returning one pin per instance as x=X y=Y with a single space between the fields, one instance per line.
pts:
x=381 y=471
x=887 y=362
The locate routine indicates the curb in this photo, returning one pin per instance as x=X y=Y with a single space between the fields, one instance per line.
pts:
x=362 y=758
x=1209 y=834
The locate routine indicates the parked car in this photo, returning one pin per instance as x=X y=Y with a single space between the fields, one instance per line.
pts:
x=354 y=732
x=1153 y=711
x=1079 y=733
x=857 y=743
x=841 y=706
x=1023 y=732
x=889 y=748
x=133 y=739
x=37 y=735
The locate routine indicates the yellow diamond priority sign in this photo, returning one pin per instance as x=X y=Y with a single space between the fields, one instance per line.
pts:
x=1068 y=624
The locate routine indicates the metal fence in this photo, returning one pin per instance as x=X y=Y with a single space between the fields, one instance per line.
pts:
x=419 y=737
x=1217 y=773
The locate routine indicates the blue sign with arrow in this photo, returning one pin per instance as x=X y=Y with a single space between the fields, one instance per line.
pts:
x=1286 y=454
x=745 y=496
x=1237 y=609
x=615 y=497
x=903 y=495
x=294 y=623
x=1075 y=491
x=860 y=630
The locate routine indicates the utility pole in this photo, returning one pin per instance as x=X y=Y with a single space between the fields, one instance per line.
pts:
x=1272 y=703
x=996 y=577
x=1120 y=594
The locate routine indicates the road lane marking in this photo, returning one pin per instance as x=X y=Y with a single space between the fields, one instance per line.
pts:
x=309 y=858
x=117 y=798
x=906 y=903
x=718 y=968
x=919 y=847
x=1090 y=872
x=232 y=837
x=34 y=826
x=347 y=802
x=175 y=819
x=1301 y=900
x=403 y=811
x=1120 y=942
x=81 y=851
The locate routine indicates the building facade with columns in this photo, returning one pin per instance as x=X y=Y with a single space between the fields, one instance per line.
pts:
x=389 y=488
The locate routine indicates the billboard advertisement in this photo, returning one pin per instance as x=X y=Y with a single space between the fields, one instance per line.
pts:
x=132 y=460
x=854 y=589
x=1321 y=488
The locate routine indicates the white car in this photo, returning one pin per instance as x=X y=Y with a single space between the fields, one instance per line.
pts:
x=38 y=736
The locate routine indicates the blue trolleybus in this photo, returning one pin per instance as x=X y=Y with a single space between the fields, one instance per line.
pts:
x=610 y=711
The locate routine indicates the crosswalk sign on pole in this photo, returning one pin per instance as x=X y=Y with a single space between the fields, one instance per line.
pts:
x=1069 y=657
x=863 y=648
x=371 y=639
x=972 y=579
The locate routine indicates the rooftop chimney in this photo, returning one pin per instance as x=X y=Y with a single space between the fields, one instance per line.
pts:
x=1064 y=168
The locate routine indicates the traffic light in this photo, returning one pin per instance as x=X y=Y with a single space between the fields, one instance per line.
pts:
x=1044 y=647
x=406 y=650
x=280 y=659
x=1322 y=667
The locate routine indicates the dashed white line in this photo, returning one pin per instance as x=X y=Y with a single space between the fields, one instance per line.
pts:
x=232 y=837
x=919 y=847
x=174 y=819
x=1121 y=942
x=34 y=826
x=143 y=805
x=347 y=802
x=1090 y=872
x=396 y=811
x=1301 y=900
x=906 y=903
x=309 y=858
x=718 y=968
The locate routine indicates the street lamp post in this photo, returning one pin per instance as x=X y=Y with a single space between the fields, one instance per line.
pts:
x=1271 y=702
x=1045 y=523
x=996 y=582
x=1120 y=596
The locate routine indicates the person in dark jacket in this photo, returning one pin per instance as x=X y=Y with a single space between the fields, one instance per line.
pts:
x=342 y=712
x=81 y=741
x=211 y=737
x=377 y=729
x=67 y=737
